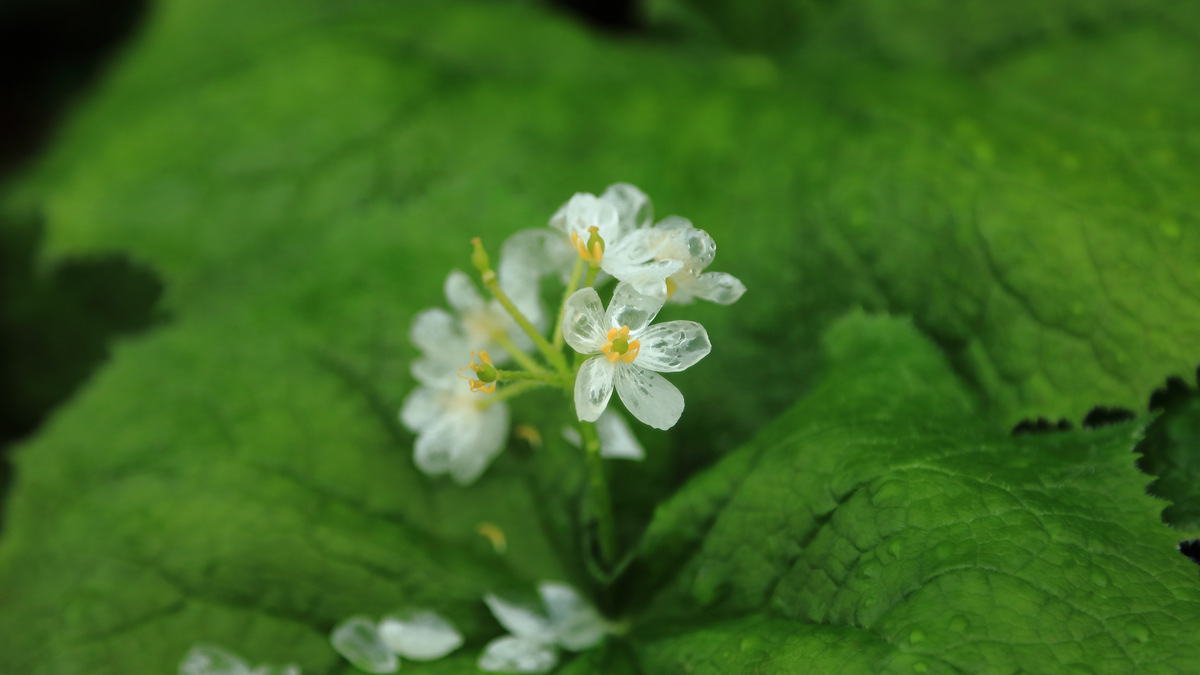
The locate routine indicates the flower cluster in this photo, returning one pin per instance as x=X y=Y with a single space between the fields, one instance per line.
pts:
x=462 y=426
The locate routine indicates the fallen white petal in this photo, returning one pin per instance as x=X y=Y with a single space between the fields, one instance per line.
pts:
x=575 y=623
x=420 y=636
x=358 y=641
x=211 y=660
x=519 y=620
x=616 y=439
x=511 y=654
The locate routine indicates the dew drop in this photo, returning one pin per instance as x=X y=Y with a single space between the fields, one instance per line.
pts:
x=920 y=667
x=959 y=624
x=915 y=637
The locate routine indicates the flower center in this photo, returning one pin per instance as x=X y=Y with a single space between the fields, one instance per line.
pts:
x=486 y=375
x=592 y=250
x=618 y=345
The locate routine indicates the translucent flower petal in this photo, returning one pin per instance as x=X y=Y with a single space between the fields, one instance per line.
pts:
x=575 y=623
x=583 y=211
x=480 y=444
x=440 y=373
x=211 y=660
x=462 y=294
x=648 y=396
x=512 y=654
x=718 y=287
x=421 y=408
x=436 y=446
x=593 y=388
x=420 y=636
x=434 y=330
x=616 y=439
x=682 y=241
x=672 y=346
x=520 y=621
x=631 y=248
x=647 y=278
x=357 y=640
x=583 y=321
x=633 y=206
x=631 y=308
x=525 y=258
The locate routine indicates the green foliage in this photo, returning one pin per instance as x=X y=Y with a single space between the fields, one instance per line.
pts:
x=302 y=176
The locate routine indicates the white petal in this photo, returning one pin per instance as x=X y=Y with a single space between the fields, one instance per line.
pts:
x=484 y=436
x=583 y=321
x=695 y=248
x=672 y=346
x=462 y=293
x=576 y=624
x=616 y=439
x=647 y=278
x=593 y=387
x=519 y=620
x=433 y=453
x=718 y=287
x=511 y=654
x=439 y=373
x=357 y=640
x=420 y=408
x=211 y=660
x=571 y=435
x=436 y=330
x=584 y=211
x=631 y=308
x=648 y=396
x=420 y=636
x=289 y=669
x=632 y=248
x=633 y=206
x=525 y=258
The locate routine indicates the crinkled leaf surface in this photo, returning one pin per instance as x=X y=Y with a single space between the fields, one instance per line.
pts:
x=302 y=175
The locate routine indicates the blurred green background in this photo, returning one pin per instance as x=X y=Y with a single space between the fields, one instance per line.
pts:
x=211 y=263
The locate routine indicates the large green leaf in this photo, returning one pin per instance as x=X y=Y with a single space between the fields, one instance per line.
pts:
x=877 y=527
x=302 y=176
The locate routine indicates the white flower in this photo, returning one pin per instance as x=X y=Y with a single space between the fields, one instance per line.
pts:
x=630 y=354
x=570 y=623
x=445 y=339
x=680 y=240
x=211 y=660
x=454 y=435
x=415 y=635
x=612 y=230
x=616 y=439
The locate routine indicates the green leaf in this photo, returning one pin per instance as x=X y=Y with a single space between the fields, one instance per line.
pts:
x=301 y=178
x=877 y=527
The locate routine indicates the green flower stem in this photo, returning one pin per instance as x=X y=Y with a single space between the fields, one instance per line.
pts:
x=593 y=270
x=512 y=391
x=572 y=286
x=600 y=497
x=520 y=356
x=479 y=259
x=510 y=375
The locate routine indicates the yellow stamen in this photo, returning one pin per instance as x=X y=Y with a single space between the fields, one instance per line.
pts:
x=593 y=249
x=486 y=382
x=618 y=346
x=494 y=534
x=671 y=288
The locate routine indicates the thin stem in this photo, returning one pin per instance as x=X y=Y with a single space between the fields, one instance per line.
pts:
x=511 y=391
x=600 y=497
x=479 y=258
x=510 y=375
x=572 y=286
x=593 y=270
x=520 y=356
